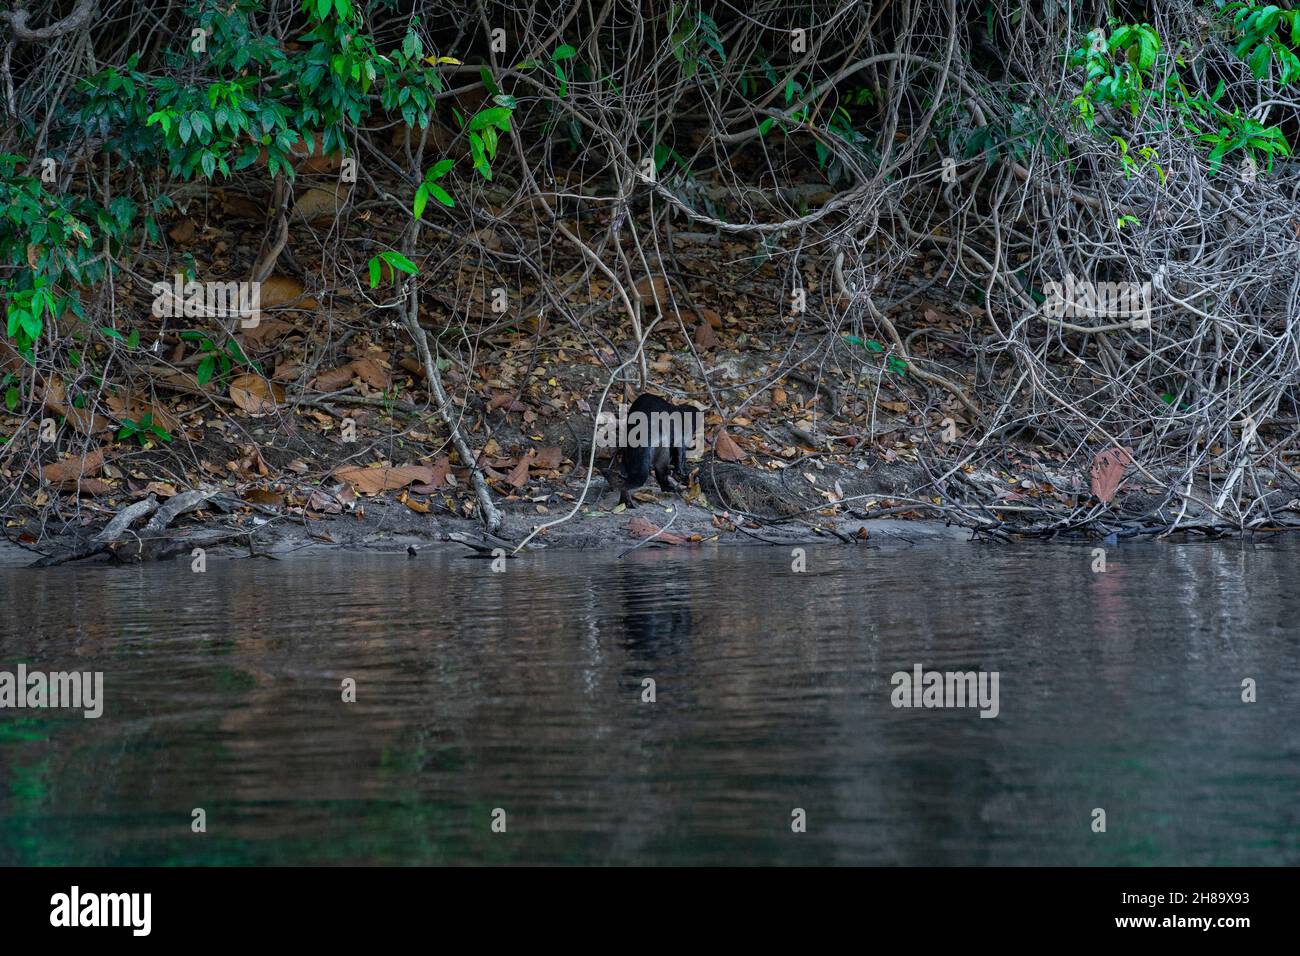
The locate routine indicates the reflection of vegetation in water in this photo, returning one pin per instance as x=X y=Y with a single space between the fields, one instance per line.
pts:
x=52 y=816
x=25 y=795
x=20 y=729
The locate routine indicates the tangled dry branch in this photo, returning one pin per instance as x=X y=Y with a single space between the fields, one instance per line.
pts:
x=848 y=140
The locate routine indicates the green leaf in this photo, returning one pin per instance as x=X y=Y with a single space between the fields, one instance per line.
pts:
x=1259 y=61
x=477 y=156
x=206 y=368
x=421 y=200
x=1148 y=45
x=563 y=52
x=490 y=117
x=441 y=195
x=399 y=261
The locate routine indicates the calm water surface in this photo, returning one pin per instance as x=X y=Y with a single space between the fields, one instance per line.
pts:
x=523 y=691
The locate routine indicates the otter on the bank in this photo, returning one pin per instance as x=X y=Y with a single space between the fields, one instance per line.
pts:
x=655 y=436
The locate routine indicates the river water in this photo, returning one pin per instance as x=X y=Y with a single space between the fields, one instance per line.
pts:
x=518 y=699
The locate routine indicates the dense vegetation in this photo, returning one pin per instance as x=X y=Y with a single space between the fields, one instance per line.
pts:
x=422 y=182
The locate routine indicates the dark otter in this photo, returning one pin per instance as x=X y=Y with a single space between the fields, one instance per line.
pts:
x=656 y=436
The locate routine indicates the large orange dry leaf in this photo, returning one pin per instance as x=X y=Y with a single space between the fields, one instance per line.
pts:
x=1108 y=472
x=372 y=481
x=70 y=469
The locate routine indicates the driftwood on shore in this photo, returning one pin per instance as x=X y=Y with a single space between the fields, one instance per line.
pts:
x=153 y=542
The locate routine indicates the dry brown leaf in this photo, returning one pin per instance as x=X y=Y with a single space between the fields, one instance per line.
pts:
x=316 y=205
x=518 y=476
x=255 y=394
x=372 y=481
x=70 y=469
x=283 y=290
x=726 y=448
x=82 y=419
x=324 y=503
x=313 y=160
x=264 y=333
x=334 y=379
x=419 y=507
x=262 y=496
x=641 y=528
x=441 y=469
x=371 y=372
x=92 y=487
x=704 y=337
x=183 y=231
x=1108 y=472
x=548 y=457
x=935 y=317
x=287 y=372
x=710 y=316
x=135 y=407
x=656 y=288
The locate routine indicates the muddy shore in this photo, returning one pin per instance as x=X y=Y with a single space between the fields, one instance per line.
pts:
x=726 y=505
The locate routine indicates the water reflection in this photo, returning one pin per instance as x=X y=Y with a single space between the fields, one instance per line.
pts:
x=524 y=691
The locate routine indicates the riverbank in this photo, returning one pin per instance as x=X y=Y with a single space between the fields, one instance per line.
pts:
x=818 y=502
x=811 y=500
